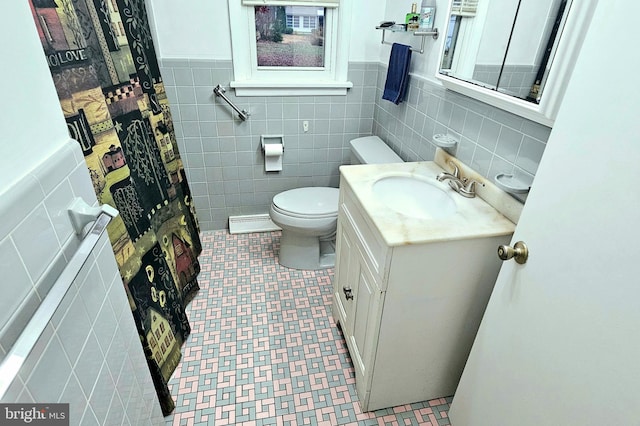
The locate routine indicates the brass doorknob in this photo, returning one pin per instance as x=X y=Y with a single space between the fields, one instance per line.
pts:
x=519 y=252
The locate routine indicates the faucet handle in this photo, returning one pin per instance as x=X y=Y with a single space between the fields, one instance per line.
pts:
x=456 y=171
x=469 y=188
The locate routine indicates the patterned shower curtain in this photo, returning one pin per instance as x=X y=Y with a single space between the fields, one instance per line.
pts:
x=105 y=70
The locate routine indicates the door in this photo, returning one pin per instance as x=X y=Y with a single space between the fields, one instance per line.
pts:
x=559 y=343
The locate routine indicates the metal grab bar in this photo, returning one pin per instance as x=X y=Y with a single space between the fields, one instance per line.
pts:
x=220 y=91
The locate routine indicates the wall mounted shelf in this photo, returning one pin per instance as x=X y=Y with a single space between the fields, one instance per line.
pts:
x=420 y=33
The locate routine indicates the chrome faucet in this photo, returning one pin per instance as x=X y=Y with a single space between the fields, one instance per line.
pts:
x=462 y=185
x=454 y=178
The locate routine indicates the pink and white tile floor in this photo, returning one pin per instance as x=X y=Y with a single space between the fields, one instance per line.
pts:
x=264 y=349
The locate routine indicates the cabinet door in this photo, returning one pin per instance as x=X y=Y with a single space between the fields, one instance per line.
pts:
x=366 y=321
x=345 y=279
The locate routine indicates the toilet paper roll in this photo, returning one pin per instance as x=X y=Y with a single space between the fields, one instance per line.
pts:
x=273 y=157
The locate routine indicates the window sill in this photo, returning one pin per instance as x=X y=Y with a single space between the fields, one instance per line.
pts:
x=261 y=88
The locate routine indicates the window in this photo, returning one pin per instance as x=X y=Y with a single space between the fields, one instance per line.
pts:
x=289 y=47
x=279 y=44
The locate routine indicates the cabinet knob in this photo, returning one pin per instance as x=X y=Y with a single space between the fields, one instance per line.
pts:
x=348 y=293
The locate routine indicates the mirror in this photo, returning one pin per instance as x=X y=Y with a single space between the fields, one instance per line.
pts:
x=514 y=54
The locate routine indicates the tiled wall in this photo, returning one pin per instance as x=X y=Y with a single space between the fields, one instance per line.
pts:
x=89 y=354
x=222 y=155
x=226 y=168
x=492 y=141
x=514 y=79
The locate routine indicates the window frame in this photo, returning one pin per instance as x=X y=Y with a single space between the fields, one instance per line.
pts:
x=251 y=80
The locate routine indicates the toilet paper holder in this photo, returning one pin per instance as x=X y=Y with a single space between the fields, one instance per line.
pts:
x=273 y=149
x=271 y=139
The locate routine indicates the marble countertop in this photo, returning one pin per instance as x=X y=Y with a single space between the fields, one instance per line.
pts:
x=474 y=217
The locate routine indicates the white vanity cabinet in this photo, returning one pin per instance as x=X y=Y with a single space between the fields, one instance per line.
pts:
x=358 y=297
x=409 y=312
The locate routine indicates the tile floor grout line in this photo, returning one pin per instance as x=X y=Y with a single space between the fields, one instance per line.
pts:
x=264 y=349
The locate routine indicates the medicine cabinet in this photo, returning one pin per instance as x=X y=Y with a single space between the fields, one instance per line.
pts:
x=516 y=55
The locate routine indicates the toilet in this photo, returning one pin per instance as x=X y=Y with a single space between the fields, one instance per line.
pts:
x=308 y=216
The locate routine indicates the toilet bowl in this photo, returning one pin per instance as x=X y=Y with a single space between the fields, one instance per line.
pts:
x=308 y=216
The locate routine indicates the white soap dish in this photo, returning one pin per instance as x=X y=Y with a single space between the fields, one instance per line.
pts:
x=444 y=141
x=511 y=184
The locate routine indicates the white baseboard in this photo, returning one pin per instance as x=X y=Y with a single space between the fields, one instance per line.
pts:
x=251 y=223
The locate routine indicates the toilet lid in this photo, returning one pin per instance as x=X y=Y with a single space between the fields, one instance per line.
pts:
x=310 y=201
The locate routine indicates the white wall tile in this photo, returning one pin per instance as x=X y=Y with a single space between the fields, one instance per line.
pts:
x=105 y=326
x=508 y=144
x=106 y=262
x=36 y=353
x=36 y=242
x=17 y=283
x=530 y=154
x=74 y=329
x=124 y=383
x=120 y=303
x=55 y=169
x=18 y=201
x=115 y=415
x=50 y=275
x=89 y=418
x=75 y=397
x=15 y=390
x=57 y=205
x=92 y=292
x=81 y=184
x=11 y=330
x=103 y=391
x=51 y=373
x=116 y=356
x=25 y=396
x=89 y=363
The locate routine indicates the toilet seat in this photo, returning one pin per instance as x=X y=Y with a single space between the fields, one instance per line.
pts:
x=302 y=215
x=308 y=203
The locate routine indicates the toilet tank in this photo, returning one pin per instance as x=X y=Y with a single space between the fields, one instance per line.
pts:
x=372 y=150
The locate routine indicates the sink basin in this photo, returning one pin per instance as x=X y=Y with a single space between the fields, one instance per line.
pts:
x=414 y=197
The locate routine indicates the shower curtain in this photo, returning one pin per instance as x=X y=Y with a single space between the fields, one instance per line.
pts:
x=105 y=70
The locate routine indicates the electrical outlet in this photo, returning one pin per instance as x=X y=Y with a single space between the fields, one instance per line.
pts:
x=305 y=126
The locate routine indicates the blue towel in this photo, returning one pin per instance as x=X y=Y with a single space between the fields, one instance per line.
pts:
x=395 y=87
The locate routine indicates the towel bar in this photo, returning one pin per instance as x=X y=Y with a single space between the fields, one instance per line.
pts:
x=17 y=355
x=434 y=33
